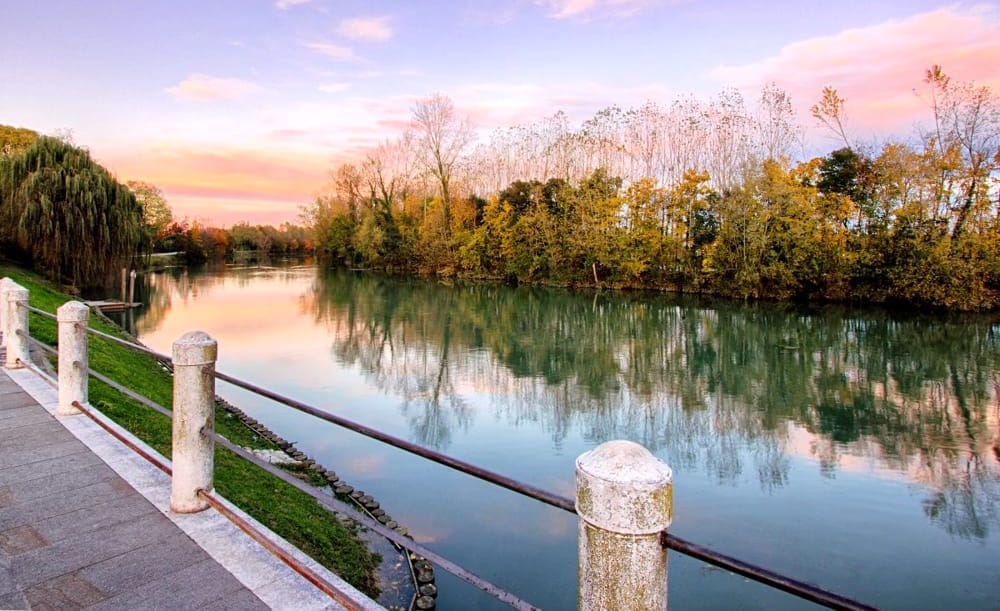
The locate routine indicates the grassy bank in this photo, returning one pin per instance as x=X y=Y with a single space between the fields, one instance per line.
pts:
x=287 y=511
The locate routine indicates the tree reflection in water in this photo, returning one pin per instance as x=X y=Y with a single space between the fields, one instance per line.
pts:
x=708 y=384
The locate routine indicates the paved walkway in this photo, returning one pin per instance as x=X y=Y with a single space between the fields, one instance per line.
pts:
x=75 y=534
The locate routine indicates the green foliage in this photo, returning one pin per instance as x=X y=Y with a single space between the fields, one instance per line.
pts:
x=67 y=213
x=14 y=140
x=843 y=227
x=156 y=214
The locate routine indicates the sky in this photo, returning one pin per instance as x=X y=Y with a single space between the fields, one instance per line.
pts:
x=239 y=109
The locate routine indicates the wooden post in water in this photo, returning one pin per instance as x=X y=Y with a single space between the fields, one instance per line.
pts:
x=624 y=497
x=124 y=272
x=194 y=356
x=72 y=321
x=131 y=289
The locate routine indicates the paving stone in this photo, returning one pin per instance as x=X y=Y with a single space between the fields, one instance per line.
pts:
x=74 y=553
x=11 y=419
x=13 y=600
x=134 y=569
x=28 y=437
x=11 y=596
x=55 y=450
x=42 y=508
x=244 y=600
x=20 y=540
x=69 y=591
x=80 y=459
x=194 y=587
x=62 y=482
x=90 y=519
x=15 y=400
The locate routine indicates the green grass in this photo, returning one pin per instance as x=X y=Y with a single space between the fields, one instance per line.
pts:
x=284 y=509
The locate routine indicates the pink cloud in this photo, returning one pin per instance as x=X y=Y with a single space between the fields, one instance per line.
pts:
x=877 y=68
x=202 y=87
x=372 y=29
x=333 y=51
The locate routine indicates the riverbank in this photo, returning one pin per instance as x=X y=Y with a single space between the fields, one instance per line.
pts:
x=282 y=508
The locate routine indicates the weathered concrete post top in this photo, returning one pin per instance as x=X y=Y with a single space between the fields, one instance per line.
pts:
x=72 y=321
x=15 y=318
x=194 y=356
x=624 y=497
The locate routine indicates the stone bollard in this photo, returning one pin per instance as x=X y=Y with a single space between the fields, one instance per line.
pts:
x=624 y=497
x=15 y=319
x=3 y=314
x=72 y=319
x=194 y=357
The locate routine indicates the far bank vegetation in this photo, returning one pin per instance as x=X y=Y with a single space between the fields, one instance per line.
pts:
x=699 y=196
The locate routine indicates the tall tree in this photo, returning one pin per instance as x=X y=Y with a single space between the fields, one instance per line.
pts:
x=156 y=213
x=441 y=136
x=830 y=112
x=387 y=173
x=966 y=130
x=776 y=128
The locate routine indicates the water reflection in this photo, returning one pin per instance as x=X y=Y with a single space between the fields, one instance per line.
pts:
x=716 y=387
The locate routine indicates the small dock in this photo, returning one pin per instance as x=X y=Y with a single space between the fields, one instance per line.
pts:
x=85 y=523
x=111 y=305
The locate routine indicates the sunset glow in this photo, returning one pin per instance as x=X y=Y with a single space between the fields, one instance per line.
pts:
x=239 y=111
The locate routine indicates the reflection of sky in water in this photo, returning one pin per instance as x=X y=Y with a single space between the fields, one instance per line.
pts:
x=778 y=457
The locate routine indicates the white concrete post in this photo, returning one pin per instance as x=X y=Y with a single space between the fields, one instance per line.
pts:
x=624 y=497
x=72 y=319
x=3 y=314
x=194 y=357
x=15 y=301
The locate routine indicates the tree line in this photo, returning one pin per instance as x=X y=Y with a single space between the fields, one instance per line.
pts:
x=65 y=215
x=694 y=196
x=196 y=242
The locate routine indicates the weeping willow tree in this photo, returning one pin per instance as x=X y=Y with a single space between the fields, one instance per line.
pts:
x=67 y=213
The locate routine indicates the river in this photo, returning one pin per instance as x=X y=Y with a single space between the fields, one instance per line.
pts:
x=857 y=449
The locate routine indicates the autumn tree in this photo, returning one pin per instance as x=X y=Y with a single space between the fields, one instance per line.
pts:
x=691 y=223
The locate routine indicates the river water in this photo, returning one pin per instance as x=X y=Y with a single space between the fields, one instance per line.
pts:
x=855 y=449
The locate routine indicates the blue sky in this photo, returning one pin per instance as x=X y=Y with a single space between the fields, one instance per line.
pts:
x=238 y=109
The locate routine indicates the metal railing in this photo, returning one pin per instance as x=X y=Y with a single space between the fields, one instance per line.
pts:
x=663 y=538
